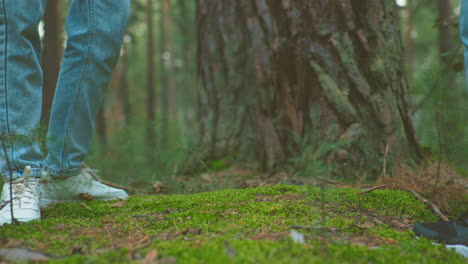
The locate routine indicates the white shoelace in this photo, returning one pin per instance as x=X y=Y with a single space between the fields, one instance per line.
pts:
x=24 y=190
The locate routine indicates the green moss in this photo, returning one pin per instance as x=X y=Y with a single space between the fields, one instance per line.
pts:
x=253 y=223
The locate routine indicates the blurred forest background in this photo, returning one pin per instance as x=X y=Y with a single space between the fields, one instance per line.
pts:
x=166 y=118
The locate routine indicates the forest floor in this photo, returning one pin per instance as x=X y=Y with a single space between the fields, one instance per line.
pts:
x=268 y=224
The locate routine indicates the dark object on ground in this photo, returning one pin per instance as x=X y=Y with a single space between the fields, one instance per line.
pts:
x=451 y=232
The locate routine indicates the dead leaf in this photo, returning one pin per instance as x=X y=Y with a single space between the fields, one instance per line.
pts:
x=377 y=221
x=399 y=224
x=86 y=197
x=207 y=177
x=152 y=255
x=150 y=258
x=78 y=251
x=158 y=187
x=59 y=227
x=250 y=183
x=118 y=204
x=281 y=176
x=366 y=224
x=22 y=255
x=189 y=231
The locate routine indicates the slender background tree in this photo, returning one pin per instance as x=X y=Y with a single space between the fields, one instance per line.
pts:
x=150 y=84
x=51 y=55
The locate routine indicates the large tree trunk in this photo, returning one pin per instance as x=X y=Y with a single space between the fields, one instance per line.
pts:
x=51 y=55
x=281 y=76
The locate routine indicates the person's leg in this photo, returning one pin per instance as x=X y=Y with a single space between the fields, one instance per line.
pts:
x=20 y=109
x=464 y=33
x=20 y=86
x=95 y=31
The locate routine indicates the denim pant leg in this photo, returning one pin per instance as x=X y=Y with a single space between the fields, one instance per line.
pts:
x=20 y=86
x=464 y=33
x=95 y=31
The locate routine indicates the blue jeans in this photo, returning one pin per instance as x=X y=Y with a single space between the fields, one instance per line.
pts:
x=464 y=33
x=95 y=29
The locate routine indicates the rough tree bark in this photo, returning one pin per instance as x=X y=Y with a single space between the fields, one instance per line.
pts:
x=281 y=75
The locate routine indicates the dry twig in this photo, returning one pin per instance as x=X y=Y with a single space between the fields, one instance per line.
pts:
x=373 y=189
x=432 y=205
x=85 y=206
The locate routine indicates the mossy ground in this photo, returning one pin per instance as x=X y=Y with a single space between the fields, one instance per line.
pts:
x=236 y=226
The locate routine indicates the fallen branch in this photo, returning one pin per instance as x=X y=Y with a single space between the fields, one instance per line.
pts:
x=373 y=189
x=333 y=182
x=109 y=183
x=431 y=204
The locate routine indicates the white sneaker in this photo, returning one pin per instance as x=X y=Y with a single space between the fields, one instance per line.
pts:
x=75 y=188
x=25 y=200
